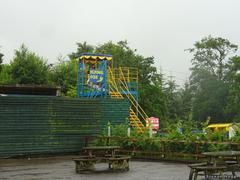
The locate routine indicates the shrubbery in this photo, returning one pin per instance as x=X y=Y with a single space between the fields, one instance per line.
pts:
x=178 y=137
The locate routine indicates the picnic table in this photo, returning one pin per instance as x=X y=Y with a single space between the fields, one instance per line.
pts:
x=217 y=162
x=213 y=157
x=105 y=150
x=101 y=154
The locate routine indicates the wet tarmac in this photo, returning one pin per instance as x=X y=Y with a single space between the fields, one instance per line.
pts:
x=64 y=168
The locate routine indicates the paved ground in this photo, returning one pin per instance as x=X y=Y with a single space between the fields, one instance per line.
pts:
x=63 y=168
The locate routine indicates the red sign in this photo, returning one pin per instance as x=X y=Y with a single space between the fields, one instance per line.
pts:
x=154 y=122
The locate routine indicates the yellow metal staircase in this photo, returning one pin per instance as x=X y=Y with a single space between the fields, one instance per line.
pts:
x=117 y=84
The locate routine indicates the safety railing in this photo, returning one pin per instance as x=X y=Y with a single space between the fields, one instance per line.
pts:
x=132 y=99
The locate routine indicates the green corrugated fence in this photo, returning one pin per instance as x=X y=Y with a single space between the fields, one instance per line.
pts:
x=39 y=125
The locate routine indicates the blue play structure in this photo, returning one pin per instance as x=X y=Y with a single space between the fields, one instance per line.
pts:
x=95 y=77
x=92 y=75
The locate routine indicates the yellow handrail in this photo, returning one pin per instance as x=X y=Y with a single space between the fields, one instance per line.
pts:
x=113 y=83
x=129 y=94
x=113 y=87
x=144 y=117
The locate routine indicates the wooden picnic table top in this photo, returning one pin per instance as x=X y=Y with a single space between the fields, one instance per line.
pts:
x=101 y=147
x=222 y=153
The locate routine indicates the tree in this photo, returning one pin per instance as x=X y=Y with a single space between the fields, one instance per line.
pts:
x=64 y=74
x=183 y=102
x=5 y=74
x=210 y=53
x=233 y=77
x=207 y=78
x=177 y=101
x=28 y=68
x=82 y=48
x=210 y=99
x=1 y=61
x=122 y=54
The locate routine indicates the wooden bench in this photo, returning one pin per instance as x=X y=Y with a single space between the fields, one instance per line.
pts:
x=119 y=163
x=233 y=167
x=84 y=164
x=87 y=163
x=192 y=169
x=206 y=169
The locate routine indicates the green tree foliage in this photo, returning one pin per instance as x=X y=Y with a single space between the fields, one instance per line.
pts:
x=64 y=75
x=28 y=68
x=123 y=55
x=210 y=53
x=209 y=89
x=1 y=61
x=152 y=96
x=171 y=96
x=82 y=48
x=210 y=100
x=233 y=77
x=182 y=101
x=5 y=75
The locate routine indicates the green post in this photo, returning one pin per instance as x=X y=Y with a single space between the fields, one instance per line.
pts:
x=109 y=129
x=150 y=130
x=129 y=131
x=109 y=133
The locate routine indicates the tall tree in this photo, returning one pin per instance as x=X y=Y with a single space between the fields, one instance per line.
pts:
x=209 y=98
x=28 y=68
x=233 y=77
x=5 y=75
x=171 y=97
x=123 y=55
x=64 y=74
x=210 y=53
x=82 y=48
x=209 y=61
x=183 y=100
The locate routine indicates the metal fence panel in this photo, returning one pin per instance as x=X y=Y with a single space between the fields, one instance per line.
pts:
x=36 y=125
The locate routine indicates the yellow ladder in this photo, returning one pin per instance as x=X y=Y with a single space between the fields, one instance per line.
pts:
x=114 y=92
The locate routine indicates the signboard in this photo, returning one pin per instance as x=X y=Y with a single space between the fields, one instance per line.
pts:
x=95 y=76
x=153 y=122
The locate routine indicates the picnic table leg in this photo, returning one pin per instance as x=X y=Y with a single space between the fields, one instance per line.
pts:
x=191 y=174
x=195 y=175
x=113 y=152
x=238 y=160
x=82 y=166
x=121 y=164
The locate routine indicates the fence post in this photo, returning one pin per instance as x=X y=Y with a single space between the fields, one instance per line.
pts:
x=128 y=132
x=163 y=149
x=134 y=148
x=109 y=133
x=86 y=141
x=109 y=129
x=150 y=130
x=197 y=150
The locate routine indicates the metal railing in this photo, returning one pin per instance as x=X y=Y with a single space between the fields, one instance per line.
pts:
x=132 y=99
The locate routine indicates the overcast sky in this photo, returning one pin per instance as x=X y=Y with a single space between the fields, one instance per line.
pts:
x=159 y=28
